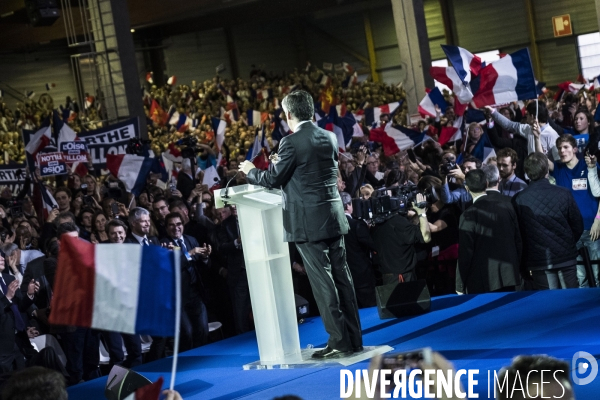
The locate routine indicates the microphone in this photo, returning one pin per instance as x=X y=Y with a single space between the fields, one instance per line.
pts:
x=226 y=196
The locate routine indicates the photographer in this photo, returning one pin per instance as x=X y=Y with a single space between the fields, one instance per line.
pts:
x=395 y=241
x=453 y=177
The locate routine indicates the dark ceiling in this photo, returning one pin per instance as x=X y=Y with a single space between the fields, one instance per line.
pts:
x=172 y=17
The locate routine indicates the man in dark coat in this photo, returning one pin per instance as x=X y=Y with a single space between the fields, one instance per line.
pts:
x=359 y=246
x=551 y=224
x=489 y=249
x=313 y=218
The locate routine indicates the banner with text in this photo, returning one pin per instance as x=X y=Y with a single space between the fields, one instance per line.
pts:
x=13 y=176
x=74 y=151
x=51 y=164
x=112 y=139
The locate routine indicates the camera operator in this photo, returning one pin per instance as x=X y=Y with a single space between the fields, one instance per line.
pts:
x=453 y=177
x=395 y=241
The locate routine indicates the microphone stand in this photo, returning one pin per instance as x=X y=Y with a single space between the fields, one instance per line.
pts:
x=226 y=196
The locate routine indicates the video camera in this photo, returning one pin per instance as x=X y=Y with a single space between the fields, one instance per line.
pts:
x=446 y=167
x=191 y=147
x=385 y=203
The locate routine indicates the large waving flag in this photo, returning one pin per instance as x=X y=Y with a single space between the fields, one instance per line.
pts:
x=40 y=139
x=432 y=99
x=506 y=80
x=117 y=287
x=449 y=77
x=466 y=64
x=396 y=137
x=130 y=169
x=342 y=126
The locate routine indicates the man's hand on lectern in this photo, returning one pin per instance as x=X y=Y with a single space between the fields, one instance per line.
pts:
x=246 y=167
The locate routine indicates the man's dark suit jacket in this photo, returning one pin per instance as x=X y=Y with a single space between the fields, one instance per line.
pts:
x=307 y=175
x=151 y=239
x=489 y=251
x=228 y=232
x=185 y=184
x=197 y=263
x=358 y=246
x=7 y=322
x=35 y=270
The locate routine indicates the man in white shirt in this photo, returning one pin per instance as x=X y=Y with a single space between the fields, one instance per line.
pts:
x=139 y=222
x=548 y=136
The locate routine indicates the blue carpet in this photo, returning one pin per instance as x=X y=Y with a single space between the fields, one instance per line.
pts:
x=474 y=332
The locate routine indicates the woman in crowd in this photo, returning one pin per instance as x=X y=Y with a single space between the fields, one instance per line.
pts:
x=99 y=234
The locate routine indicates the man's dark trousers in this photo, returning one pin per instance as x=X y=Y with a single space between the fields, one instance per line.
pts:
x=325 y=264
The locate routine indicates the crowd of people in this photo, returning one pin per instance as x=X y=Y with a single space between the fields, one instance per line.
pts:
x=477 y=223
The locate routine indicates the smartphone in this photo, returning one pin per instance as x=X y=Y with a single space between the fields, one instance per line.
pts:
x=408 y=360
x=411 y=155
x=115 y=208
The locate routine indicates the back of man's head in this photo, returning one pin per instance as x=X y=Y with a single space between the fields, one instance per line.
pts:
x=35 y=383
x=475 y=180
x=492 y=175
x=300 y=104
x=536 y=166
x=66 y=228
x=539 y=376
x=542 y=111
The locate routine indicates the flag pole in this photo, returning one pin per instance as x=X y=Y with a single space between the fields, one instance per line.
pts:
x=177 y=255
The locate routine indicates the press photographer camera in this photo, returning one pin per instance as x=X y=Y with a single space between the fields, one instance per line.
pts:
x=385 y=203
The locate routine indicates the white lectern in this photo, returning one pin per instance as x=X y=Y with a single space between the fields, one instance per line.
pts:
x=269 y=272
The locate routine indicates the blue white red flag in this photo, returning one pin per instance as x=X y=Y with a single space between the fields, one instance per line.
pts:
x=432 y=99
x=466 y=64
x=506 y=80
x=116 y=287
x=130 y=169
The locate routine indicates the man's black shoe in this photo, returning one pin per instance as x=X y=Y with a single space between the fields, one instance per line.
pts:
x=328 y=352
x=358 y=349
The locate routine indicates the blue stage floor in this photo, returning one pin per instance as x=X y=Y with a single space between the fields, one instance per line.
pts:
x=475 y=332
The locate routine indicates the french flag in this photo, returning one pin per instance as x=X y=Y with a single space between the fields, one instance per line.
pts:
x=62 y=131
x=124 y=288
x=40 y=139
x=254 y=118
x=432 y=99
x=261 y=145
x=506 y=80
x=281 y=127
x=466 y=64
x=130 y=169
x=343 y=127
x=396 y=138
x=451 y=133
x=373 y=114
x=48 y=201
x=219 y=126
x=449 y=77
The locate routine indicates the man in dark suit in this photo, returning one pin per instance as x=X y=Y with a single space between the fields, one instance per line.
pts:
x=139 y=222
x=194 y=320
x=358 y=246
x=230 y=245
x=313 y=218
x=14 y=342
x=492 y=176
x=489 y=251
